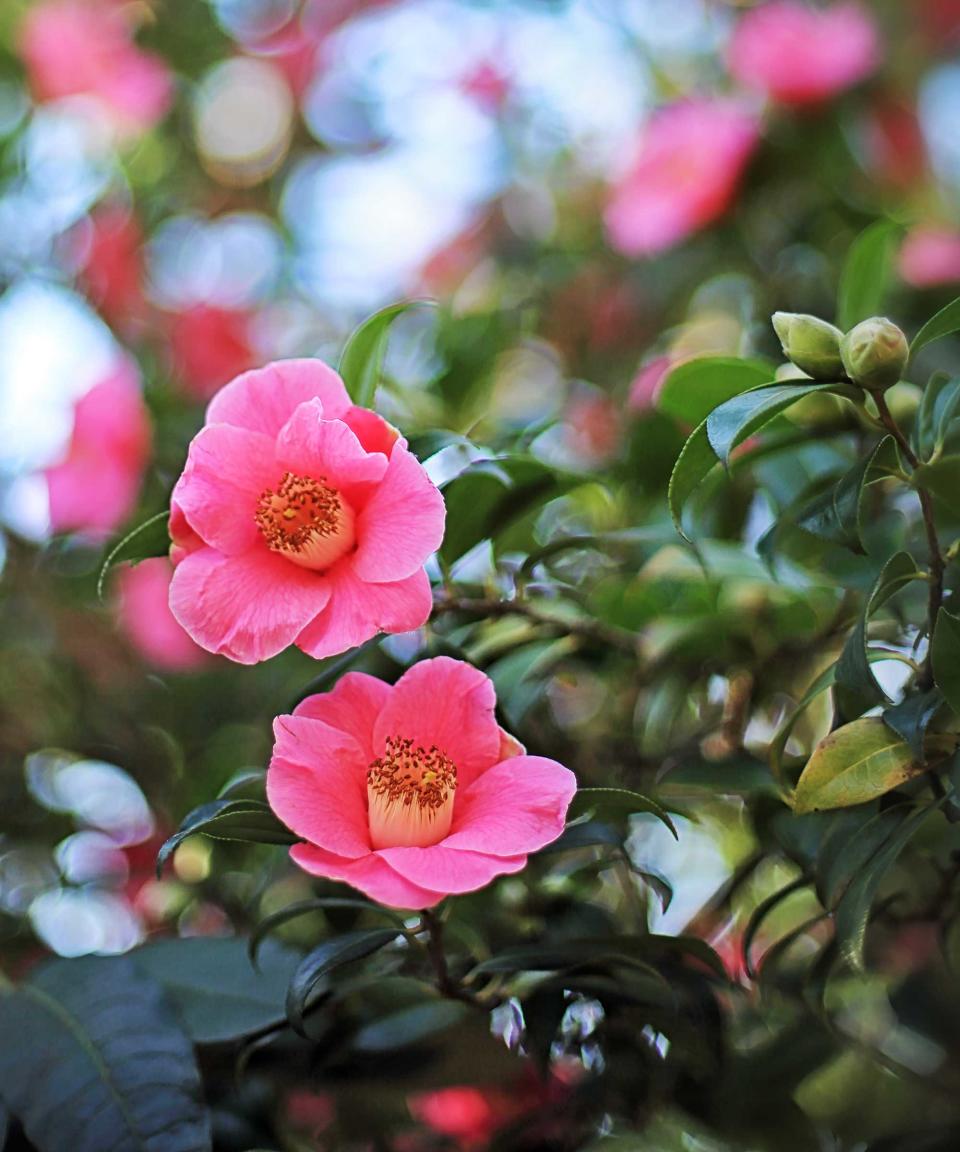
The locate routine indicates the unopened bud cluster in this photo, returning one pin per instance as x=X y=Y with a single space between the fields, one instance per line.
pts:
x=873 y=354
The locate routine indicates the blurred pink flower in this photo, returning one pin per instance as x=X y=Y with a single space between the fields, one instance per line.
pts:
x=893 y=144
x=112 y=268
x=488 y=84
x=796 y=54
x=647 y=383
x=930 y=256
x=412 y=792
x=94 y=488
x=86 y=48
x=209 y=346
x=592 y=427
x=299 y=519
x=683 y=177
x=143 y=612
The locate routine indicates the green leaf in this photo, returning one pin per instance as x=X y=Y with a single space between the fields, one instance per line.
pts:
x=854 y=764
x=218 y=994
x=911 y=718
x=330 y=955
x=944 y=323
x=305 y=908
x=945 y=654
x=95 y=1059
x=760 y=913
x=409 y=1026
x=694 y=388
x=850 y=845
x=837 y=515
x=250 y=821
x=938 y=407
x=942 y=479
x=149 y=539
x=586 y=834
x=853 y=911
x=609 y=802
x=490 y=496
x=854 y=674
x=866 y=274
x=736 y=419
x=362 y=358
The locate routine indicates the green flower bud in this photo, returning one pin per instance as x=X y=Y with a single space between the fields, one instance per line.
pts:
x=810 y=343
x=875 y=353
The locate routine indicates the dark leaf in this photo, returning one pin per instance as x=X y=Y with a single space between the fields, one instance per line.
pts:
x=218 y=994
x=409 y=1026
x=251 y=821
x=944 y=323
x=99 y=1062
x=305 y=908
x=760 y=913
x=837 y=515
x=609 y=802
x=332 y=954
x=946 y=657
x=911 y=718
x=736 y=419
x=149 y=539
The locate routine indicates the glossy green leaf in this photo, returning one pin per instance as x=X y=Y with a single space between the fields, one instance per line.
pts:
x=218 y=994
x=939 y=405
x=736 y=419
x=147 y=540
x=944 y=323
x=362 y=359
x=251 y=821
x=329 y=956
x=911 y=718
x=866 y=274
x=93 y=1058
x=410 y=1026
x=854 y=764
x=853 y=912
x=694 y=388
x=760 y=913
x=850 y=845
x=854 y=674
x=946 y=657
x=609 y=802
x=942 y=479
x=837 y=515
x=307 y=907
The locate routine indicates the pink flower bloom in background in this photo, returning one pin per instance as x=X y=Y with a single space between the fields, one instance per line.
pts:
x=930 y=256
x=647 y=384
x=684 y=176
x=86 y=48
x=796 y=54
x=488 y=84
x=94 y=488
x=412 y=792
x=209 y=346
x=894 y=149
x=299 y=519
x=143 y=612
x=592 y=428
x=112 y=267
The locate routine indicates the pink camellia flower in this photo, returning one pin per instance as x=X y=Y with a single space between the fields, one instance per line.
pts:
x=209 y=346
x=94 y=488
x=412 y=792
x=299 y=519
x=112 y=267
x=143 y=612
x=796 y=54
x=647 y=384
x=86 y=48
x=930 y=256
x=684 y=176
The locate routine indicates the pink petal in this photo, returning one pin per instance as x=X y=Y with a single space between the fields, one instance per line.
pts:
x=358 y=611
x=247 y=607
x=517 y=806
x=373 y=432
x=90 y=494
x=311 y=445
x=353 y=706
x=370 y=874
x=227 y=471
x=448 y=869
x=317 y=785
x=183 y=539
x=143 y=611
x=265 y=399
x=447 y=703
x=402 y=523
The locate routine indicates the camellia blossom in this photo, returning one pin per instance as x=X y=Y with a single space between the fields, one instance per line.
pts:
x=683 y=177
x=299 y=519
x=796 y=54
x=209 y=346
x=112 y=266
x=412 y=792
x=94 y=488
x=86 y=48
x=930 y=256
x=144 y=615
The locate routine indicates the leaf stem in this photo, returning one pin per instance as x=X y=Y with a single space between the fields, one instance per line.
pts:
x=937 y=563
x=446 y=983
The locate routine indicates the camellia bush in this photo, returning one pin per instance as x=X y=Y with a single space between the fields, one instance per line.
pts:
x=486 y=674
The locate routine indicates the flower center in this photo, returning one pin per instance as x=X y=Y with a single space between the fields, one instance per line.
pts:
x=306 y=521
x=410 y=795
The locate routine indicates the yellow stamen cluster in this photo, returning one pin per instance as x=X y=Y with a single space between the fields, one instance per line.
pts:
x=410 y=793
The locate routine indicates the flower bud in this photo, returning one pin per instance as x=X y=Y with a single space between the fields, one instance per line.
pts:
x=810 y=343
x=875 y=353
